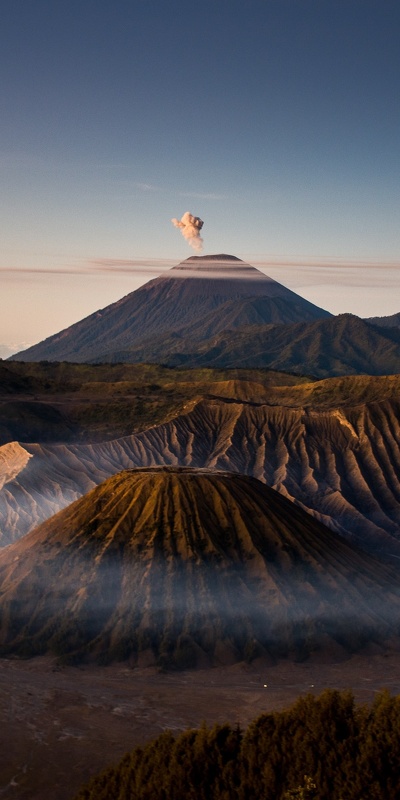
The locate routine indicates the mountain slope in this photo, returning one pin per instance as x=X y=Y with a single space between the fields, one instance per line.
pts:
x=342 y=345
x=190 y=567
x=185 y=295
x=392 y=321
x=333 y=447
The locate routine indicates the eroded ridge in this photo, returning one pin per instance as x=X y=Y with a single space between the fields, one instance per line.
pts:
x=342 y=465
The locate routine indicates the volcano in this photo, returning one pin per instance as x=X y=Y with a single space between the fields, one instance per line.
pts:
x=184 y=567
x=198 y=289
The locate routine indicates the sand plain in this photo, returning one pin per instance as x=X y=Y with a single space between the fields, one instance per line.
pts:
x=60 y=725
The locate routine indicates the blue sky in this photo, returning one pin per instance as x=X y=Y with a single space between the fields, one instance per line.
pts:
x=275 y=121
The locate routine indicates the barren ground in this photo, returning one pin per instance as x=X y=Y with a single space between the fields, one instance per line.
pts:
x=58 y=726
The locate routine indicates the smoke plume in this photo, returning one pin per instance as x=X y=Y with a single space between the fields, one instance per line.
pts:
x=190 y=228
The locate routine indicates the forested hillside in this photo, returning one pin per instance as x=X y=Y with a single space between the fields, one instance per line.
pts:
x=327 y=748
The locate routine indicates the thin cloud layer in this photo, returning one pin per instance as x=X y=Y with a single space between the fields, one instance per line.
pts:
x=293 y=272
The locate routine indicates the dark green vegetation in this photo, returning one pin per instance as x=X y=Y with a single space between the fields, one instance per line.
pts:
x=327 y=748
x=188 y=568
x=64 y=402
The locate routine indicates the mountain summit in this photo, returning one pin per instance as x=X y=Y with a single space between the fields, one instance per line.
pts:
x=199 y=288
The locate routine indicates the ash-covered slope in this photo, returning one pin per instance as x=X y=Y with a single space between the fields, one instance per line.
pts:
x=183 y=296
x=190 y=567
x=333 y=447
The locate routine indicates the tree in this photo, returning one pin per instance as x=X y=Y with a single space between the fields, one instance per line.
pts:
x=306 y=792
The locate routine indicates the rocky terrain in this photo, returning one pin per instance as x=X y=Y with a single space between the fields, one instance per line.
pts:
x=184 y=567
x=63 y=402
x=330 y=446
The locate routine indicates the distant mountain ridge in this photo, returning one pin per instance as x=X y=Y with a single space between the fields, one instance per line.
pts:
x=183 y=296
x=331 y=347
x=392 y=321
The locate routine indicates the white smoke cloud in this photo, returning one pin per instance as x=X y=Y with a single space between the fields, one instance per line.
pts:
x=190 y=227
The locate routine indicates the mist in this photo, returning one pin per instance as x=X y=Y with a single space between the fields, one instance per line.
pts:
x=96 y=597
